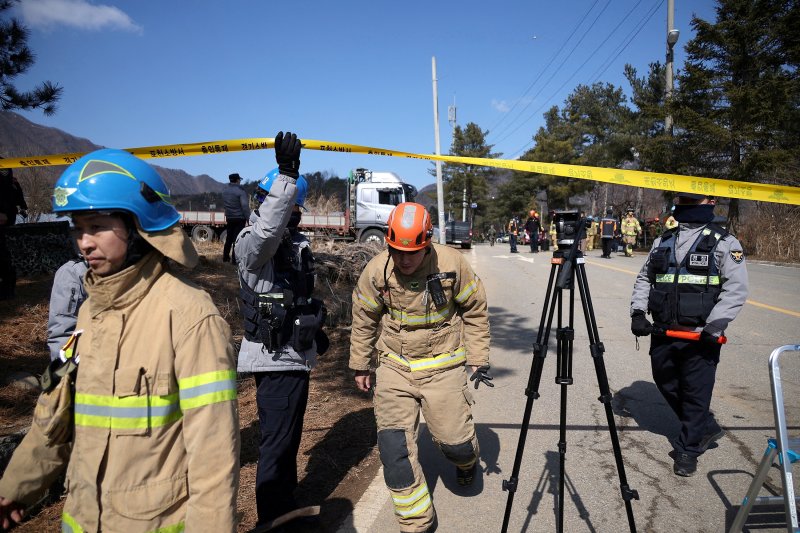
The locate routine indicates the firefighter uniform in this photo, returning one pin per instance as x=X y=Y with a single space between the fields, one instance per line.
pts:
x=553 y=235
x=694 y=279
x=630 y=230
x=591 y=233
x=149 y=429
x=421 y=350
x=145 y=406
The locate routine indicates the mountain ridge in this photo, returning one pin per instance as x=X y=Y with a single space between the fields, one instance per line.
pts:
x=20 y=137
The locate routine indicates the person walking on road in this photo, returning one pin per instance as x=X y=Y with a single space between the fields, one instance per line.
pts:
x=142 y=400
x=631 y=229
x=513 y=230
x=492 y=235
x=532 y=226
x=421 y=310
x=608 y=231
x=237 y=211
x=693 y=283
x=282 y=325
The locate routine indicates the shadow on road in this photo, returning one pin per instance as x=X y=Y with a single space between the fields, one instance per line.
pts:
x=642 y=401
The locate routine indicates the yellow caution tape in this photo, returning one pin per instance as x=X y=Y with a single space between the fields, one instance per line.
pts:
x=762 y=192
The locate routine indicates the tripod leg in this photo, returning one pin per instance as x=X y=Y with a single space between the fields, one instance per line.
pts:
x=596 y=349
x=532 y=390
x=565 y=336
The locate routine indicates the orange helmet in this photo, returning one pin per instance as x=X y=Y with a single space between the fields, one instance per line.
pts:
x=410 y=227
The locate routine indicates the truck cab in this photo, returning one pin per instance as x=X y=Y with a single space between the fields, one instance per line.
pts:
x=373 y=196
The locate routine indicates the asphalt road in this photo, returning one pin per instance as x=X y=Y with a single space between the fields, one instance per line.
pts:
x=516 y=286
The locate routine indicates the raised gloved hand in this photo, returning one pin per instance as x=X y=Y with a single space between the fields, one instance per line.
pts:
x=640 y=326
x=481 y=375
x=287 y=154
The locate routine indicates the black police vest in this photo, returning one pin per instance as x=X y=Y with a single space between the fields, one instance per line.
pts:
x=286 y=314
x=684 y=294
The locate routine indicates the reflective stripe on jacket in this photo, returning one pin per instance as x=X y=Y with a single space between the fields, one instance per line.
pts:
x=156 y=439
x=728 y=277
x=416 y=336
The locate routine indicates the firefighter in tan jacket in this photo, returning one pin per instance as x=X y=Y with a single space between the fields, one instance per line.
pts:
x=431 y=311
x=151 y=442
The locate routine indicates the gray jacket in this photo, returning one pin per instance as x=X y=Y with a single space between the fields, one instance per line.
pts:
x=255 y=249
x=730 y=261
x=236 y=203
x=65 y=299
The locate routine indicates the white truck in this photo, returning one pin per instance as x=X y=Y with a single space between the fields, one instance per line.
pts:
x=371 y=196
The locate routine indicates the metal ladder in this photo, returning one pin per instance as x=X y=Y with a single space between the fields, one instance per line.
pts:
x=787 y=450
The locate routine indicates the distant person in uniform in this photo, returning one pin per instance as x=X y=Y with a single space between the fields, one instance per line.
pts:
x=608 y=231
x=237 y=211
x=532 y=226
x=492 y=234
x=591 y=233
x=671 y=222
x=513 y=231
x=631 y=229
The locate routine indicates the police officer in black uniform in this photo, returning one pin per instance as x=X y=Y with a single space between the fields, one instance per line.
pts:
x=694 y=282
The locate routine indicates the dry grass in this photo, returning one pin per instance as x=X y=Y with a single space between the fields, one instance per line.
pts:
x=770 y=233
x=337 y=457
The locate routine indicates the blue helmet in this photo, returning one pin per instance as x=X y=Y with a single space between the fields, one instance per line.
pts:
x=264 y=185
x=114 y=180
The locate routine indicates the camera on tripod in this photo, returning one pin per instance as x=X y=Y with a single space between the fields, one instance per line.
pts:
x=567 y=223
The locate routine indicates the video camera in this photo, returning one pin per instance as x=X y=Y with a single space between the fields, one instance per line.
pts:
x=567 y=223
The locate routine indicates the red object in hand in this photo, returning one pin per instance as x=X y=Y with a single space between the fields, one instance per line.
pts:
x=691 y=335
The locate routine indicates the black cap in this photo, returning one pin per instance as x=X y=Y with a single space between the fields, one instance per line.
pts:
x=691 y=195
x=234 y=177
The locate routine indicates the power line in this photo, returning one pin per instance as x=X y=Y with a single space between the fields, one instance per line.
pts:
x=636 y=32
x=533 y=99
x=631 y=35
x=541 y=72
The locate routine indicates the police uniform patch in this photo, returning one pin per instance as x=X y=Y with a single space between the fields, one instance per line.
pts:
x=737 y=256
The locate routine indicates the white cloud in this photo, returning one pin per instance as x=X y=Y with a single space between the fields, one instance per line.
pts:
x=500 y=105
x=75 y=13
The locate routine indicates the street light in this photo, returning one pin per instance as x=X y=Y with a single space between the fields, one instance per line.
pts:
x=672 y=38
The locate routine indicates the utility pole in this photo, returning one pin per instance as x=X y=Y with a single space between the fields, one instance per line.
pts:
x=439 y=186
x=672 y=38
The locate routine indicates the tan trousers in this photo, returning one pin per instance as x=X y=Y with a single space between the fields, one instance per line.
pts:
x=445 y=400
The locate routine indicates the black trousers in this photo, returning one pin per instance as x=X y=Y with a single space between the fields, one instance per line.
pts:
x=233 y=227
x=282 y=398
x=534 y=244
x=512 y=240
x=607 y=244
x=684 y=372
x=8 y=274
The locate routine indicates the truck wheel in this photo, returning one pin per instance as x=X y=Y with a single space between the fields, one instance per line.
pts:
x=373 y=236
x=202 y=234
x=223 y=236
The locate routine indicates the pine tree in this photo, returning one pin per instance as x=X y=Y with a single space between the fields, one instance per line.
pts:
x=467 y=142
x=737 y=107
x=15 y=59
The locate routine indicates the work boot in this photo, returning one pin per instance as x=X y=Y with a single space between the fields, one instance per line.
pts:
x=465 y=477
x=711 y=438
x=684 y=464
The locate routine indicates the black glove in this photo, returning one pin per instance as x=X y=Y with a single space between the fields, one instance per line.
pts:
x=640 y=326
x=481 y=375
x=708 y=338
x=287 y=154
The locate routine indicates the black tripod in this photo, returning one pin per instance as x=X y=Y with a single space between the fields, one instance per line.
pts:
x=569 y=264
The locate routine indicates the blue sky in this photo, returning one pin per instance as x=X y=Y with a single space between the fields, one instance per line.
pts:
x=142 y=73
